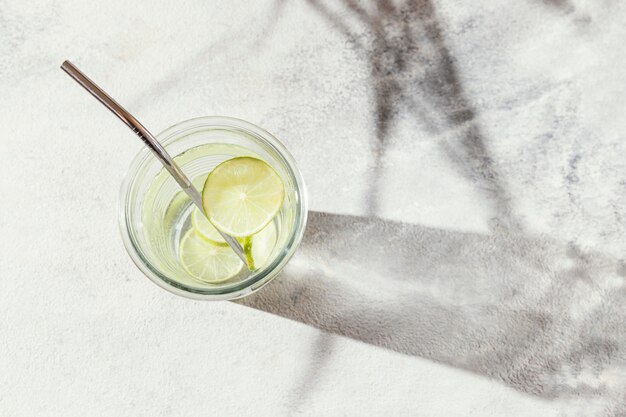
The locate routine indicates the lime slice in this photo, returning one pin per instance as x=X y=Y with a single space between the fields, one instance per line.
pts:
x=258 y=247
x=204 y=227
x=206 y=261
x=246 y=245
x=242 y=195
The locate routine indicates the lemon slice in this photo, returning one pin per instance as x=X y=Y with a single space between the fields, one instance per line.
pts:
x=204 y=227
x=242 y=195
x=206 y=261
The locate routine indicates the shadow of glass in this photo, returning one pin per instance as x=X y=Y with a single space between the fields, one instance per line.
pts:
x=528 y=311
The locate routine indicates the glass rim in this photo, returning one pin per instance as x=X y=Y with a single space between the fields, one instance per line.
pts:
x=229 y=291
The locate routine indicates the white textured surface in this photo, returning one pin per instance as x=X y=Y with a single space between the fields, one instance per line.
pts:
x=483 y=273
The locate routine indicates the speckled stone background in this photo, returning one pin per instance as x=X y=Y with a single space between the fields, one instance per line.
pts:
x=467 y=181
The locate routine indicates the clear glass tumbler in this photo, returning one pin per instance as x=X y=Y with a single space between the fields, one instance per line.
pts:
x=154 y=211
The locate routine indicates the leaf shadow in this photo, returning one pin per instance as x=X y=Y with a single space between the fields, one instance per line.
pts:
x=412 y=70
x=565 y=5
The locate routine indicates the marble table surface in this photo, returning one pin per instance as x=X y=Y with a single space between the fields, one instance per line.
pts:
x=467 y=183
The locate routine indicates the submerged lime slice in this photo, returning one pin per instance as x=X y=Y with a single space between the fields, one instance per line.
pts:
x=259 y=247
x=204 y=227
x=242 y=195
x=207 y=261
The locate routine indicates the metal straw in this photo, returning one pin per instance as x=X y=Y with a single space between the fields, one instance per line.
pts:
x=157 y=149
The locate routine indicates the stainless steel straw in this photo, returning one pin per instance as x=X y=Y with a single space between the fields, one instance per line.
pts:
x=157 y=149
